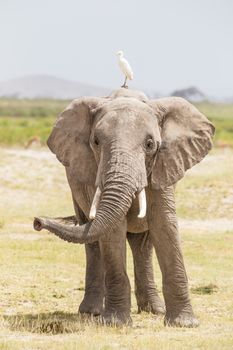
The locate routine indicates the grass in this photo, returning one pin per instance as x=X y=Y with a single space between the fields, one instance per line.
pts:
x=42 y=277
x=20 y=120
x=35 y=318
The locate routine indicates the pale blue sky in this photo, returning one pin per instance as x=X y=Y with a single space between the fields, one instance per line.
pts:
x=169 y=43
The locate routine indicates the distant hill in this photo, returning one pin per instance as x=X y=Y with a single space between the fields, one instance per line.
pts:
x=45 y=86
x=192 y=94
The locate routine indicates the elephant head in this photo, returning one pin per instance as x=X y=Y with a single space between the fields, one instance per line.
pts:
x=121 y=144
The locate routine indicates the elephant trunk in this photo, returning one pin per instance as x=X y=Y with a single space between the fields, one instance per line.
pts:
x=121 y=182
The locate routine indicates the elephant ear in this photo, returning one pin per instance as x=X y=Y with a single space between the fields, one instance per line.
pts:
x=69 y=139
x=186 y=138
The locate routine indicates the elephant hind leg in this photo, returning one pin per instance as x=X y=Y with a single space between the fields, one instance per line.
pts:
x=164 y=233
x=145 y=289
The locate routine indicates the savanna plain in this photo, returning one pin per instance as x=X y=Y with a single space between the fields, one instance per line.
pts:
x=42 y=277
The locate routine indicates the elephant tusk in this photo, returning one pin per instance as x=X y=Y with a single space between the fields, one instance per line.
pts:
x=95 y=204
x=142 y=204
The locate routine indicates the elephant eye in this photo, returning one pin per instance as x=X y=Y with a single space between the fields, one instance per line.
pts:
x=149 y=144
x=96 y=141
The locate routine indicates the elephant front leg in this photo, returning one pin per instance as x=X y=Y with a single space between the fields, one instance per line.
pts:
x=164 y=233
x=92 y=302
x=94 y=282
x=118 y=292
x=145 y=289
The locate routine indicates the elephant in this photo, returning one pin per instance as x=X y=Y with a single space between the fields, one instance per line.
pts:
x=123 y=155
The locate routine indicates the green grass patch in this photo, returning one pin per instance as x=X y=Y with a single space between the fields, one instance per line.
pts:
x=221 y=115
x=208 y=289
x=20 y=120
x=18 y=131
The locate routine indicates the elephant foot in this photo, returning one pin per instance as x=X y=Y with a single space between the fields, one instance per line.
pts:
x=92 y=306
x=116 y=319
x=187 y=320
x=155 y=305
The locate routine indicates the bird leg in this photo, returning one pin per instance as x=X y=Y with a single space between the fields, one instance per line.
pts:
x=124 y=85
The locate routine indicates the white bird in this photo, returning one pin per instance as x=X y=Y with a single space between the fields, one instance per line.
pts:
x=125 y=68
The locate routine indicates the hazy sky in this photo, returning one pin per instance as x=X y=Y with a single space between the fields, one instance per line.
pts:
x=169 y=43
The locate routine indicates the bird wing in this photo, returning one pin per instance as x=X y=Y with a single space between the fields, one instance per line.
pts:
x=126 y=69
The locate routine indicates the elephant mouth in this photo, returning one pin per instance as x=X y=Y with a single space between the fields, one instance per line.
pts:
x=97 y=197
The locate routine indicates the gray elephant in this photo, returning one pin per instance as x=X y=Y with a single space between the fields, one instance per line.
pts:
x=123 y=154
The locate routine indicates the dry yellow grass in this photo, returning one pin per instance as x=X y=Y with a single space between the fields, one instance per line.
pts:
x=42 y=277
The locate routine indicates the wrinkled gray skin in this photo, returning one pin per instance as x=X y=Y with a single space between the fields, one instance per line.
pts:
x=124 y=143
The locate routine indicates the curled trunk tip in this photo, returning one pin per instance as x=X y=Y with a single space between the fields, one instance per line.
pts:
x=38 y=224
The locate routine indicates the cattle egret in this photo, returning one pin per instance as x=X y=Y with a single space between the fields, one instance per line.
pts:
x=125 y=68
